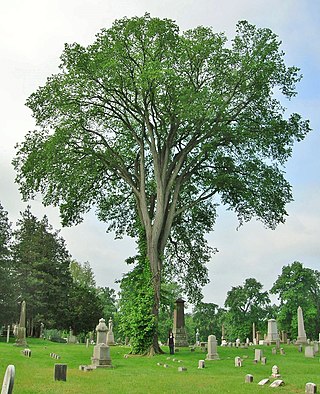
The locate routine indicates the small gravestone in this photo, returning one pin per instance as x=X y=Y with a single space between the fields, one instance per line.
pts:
x=165 y=365
x=274 y=351
x=275 y=372
x=300 y=348
x=311 y=388
x=110 y=336
x=182 y=369
x=282 y=352
x=316 y=347
x=278 y=343
x=8 y=333
x=263 y=360
x=277 y=383
x=248 y=378
x=201 y=364
x=309 y=351
x=258 y=353
x=263 y=382
x=8 y=380
x=60 y=372
x=237 y=362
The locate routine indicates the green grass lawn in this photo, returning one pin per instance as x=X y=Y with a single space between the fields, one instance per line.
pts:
x=137 y=374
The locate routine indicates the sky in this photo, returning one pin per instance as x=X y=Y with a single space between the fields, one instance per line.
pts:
x=32 y=38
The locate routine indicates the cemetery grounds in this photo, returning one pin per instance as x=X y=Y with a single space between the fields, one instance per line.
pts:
x=137 y=374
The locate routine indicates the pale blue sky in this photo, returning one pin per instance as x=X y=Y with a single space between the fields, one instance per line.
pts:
x=32 y=35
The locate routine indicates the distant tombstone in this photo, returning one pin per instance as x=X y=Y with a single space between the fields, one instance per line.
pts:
x=278 y=343
x=248 y=378
x=71 y=338
x=237 y=362
x=201 y=364
x=277 y=383
x=275 y=372
x=182 y=369
x=60 y=372
x=101 y=330
x=41 y=330
x=284 y=336
x=258 y=353
x=101 y=351
x=311 y=388
x=274 y=350
x=212 y=348
x=179 y=329
x=309 y=351
x=223 y=332
x=197 y=337
x=21 y=330
x=254 y=333
x=282 y=352
x=302 y=338
x=8 y=333
x=316 y=347
x=300 y=348
x=263 y=360
x=8 y=380
x=272 y=335
x=110 y=336
x=238 y=342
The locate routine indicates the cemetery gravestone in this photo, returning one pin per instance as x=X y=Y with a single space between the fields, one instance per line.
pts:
x=263 y=382
x=258 y=353
x=302 y=338
x=248 y=378
x=311 y=388
x=272 y=335
x=201 y=364
x=275 y=372
x=309 y=351
x=212 y=348
x=8 y=380
x=110 y=336
x=179 y=330
x=237 y=362
x=21 y=330
x=60 y=372
x=277 y=383
x=101 y=351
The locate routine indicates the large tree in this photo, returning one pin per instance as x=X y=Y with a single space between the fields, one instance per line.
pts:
x=298 y=286
x=41 y=272
x=247 y=304
x=154 y=124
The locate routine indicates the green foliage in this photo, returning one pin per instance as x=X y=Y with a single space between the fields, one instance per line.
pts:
x=82 y=274
x=208 y=319
x=154 y=123
x=41 y=272
x=246 y=305
x=298 y=286
x=8 y=305
x=54 y=335
x=136 y=320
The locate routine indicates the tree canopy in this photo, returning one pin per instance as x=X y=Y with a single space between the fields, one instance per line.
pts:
x=152 y=125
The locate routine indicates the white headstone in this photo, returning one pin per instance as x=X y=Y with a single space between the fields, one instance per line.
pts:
x=302 y=338
x=8 y=380
x=275 y=372
x=237 y=362
x=212 y=348
x=309 y=351
x=311 y=388
x=277 y=383
x=272 y=335
x=258 y=353
x=263 y=382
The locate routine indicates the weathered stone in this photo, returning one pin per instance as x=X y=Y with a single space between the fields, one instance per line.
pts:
x=282 y=352
x=248 y=378
x=8 y=380
x=311 y=388
x=101 y=356
x=101 y=330
x=182 y=369
x=212 y=348
x=21 y=329
x=110 y=336
x=309 y=351
x=179 y=330
x=60 y=372
x=302 y=338
x=258 y=353
x=263 y=382
x=263 y=360
x=201 y=364
x=275 y=372
x=165 y=365
x=277 y=383
x=237 y=362
x=272 y=335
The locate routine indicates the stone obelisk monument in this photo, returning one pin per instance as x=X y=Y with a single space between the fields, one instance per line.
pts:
x=179 y=329
x=21 y=334
x=302 y=338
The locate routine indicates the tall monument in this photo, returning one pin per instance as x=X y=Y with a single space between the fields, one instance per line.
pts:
x=273 y=334
x=179 y=330
x=21 y=332
x=302 y=337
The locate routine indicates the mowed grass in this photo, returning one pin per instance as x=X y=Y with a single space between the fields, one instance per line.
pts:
x=137 y=374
